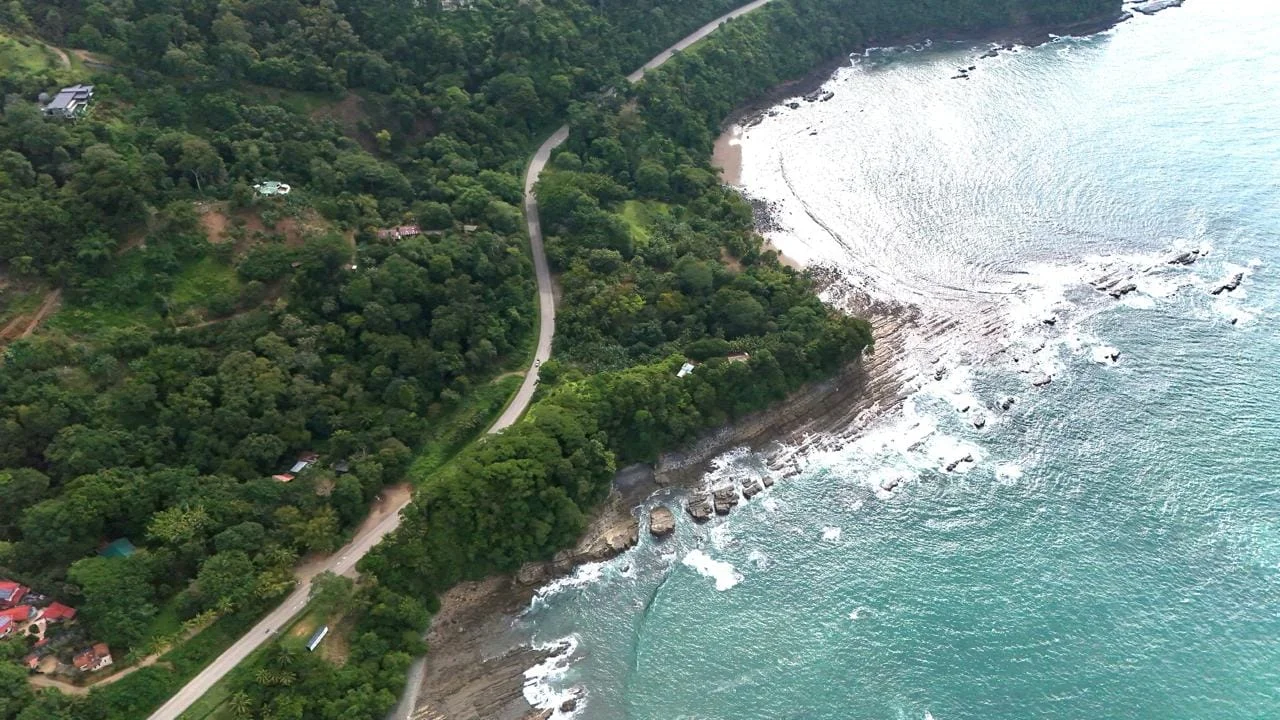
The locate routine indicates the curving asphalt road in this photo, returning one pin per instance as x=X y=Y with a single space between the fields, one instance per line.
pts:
x=343 y=561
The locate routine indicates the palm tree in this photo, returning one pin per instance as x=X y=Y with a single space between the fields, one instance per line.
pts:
x=241 y=705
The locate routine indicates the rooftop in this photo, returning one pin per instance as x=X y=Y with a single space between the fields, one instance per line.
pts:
x=118 y=548
x=11 y=592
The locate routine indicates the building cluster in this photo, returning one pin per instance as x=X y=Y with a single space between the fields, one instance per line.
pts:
x=397 y=233
x=59 y=647
x=304 y=461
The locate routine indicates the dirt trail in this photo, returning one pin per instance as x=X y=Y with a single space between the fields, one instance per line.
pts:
x=51 y=302
x=44 y=681
x=23 y=326
x=62 y=55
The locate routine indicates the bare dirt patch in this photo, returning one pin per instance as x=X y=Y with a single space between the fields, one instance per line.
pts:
x=215 y=223
x=349 y=113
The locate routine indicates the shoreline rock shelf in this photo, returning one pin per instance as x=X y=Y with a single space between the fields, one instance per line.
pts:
x=661 y=522
x=725 y=499
x=699 y=507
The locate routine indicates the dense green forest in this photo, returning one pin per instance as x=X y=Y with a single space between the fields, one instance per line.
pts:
x=138 y=412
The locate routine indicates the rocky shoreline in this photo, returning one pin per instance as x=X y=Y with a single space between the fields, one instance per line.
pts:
x=474 y=672
x=470 y=674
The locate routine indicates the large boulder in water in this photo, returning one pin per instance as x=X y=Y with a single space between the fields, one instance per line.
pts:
x=661 y=522
x=1123 y=289
x=699 y=507
x=751 y=488
x=1229 y=285
x=1151 y=7
x=725 y=498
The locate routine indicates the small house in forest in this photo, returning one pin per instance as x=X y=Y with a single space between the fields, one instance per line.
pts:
x=118 y=548
x=271 y=188
x=738 y=357
x=93 y=659
x=70 y=102
x=305 y=460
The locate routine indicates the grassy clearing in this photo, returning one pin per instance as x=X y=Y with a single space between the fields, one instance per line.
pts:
x=24 y=55
x=640 y=214
x=204 y=279
x=296 y=101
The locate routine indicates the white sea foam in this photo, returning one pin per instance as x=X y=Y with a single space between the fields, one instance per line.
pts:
x=724 y=574
x=1008 y=472
x=1105 y=354
x=584 y=574
x=538 y=680
x=759 y=559
x=720 y=536
x=830 y=533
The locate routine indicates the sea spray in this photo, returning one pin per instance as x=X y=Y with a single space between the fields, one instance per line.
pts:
x=724 y=574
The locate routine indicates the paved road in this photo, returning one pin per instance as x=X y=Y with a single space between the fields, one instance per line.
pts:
x=343 y=562
x=546 y=292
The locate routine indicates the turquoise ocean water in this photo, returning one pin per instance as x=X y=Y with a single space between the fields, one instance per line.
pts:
x=1113 y=548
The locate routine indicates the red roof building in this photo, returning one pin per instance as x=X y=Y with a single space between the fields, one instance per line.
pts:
x=14 y=619
x=57 y=612
x=95 y=658
x=11 y=593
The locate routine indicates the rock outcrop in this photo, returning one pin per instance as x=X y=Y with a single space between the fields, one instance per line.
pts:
x=1151 y=7
x=533 y=573
x=751 y=488
x=699 y=507
x=951 y=466
x=1229 y=285
x=726 y=498
x=661 y=521
x=1122 y=289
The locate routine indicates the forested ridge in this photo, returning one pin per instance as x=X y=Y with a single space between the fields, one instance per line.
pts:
x=140 y=415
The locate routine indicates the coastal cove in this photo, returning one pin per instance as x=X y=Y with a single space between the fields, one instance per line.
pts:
x=1069 y=512
x=473 y=667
